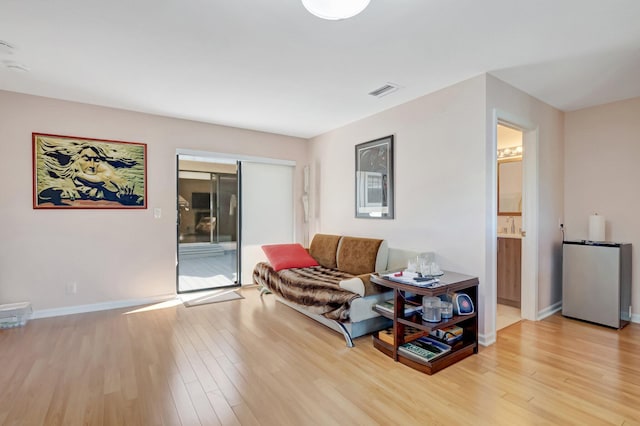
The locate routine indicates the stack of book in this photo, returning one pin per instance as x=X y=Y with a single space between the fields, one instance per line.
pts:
x=409 y=309
x=410 y=333
x=424 y=349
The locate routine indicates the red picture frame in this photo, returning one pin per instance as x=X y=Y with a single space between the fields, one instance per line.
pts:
x=72 y=172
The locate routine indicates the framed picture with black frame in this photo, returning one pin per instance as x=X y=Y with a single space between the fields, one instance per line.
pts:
x=374 y=179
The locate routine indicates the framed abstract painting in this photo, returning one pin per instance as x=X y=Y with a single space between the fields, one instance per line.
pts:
x=80 y=173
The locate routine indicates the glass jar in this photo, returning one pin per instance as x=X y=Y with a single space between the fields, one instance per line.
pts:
x=431 y=309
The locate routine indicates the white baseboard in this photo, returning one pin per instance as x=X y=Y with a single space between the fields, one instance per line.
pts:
x=94 y=307
x=548 y=311
x=487 y=339
x=558 y=307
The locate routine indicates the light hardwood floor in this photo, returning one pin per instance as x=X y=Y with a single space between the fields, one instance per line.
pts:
x=254 y=361
x=506 y=315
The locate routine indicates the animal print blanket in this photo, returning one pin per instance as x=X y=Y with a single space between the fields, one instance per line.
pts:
x=316 y=289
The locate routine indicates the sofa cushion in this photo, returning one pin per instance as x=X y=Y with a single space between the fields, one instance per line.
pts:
x=383 y=257
x=286 y=256
x=323 y=248
x=362 y=285
x=357 y=255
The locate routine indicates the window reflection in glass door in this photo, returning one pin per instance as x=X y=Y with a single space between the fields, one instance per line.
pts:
x=197 y=218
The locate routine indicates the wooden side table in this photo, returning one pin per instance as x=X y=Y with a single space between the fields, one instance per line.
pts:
x=452 y=282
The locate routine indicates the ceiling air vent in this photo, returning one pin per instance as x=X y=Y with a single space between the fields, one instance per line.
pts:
x=384 y=90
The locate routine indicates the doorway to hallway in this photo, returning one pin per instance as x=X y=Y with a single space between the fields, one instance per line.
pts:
x=509 y=224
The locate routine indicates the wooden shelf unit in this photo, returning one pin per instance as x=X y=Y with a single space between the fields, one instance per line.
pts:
x=459 y=350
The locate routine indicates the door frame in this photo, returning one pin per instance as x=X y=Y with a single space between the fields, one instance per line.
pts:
x=530 y=191
x=206 y=158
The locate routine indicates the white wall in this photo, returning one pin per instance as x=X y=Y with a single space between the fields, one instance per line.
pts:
x=602 y=150
x=442 y=177
x=439 y=177
x=550 y=124
x=444 y=161
x=112 y=255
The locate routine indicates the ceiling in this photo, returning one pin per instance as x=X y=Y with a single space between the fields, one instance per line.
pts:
x=272 y=66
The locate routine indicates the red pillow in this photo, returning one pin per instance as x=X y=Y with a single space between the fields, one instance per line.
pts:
x=286 y=256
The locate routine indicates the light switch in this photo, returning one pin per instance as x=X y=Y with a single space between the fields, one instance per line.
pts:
x=157 y=212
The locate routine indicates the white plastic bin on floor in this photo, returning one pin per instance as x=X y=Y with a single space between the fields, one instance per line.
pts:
x=15 y=314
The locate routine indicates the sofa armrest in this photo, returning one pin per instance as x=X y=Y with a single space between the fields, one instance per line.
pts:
x=362 y=285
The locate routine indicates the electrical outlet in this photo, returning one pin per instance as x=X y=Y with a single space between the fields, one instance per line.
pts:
x=560 y=224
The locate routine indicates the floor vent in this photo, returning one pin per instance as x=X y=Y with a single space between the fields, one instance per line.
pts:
x=384 y=90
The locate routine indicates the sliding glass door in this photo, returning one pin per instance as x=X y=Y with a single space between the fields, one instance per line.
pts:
x=267 y=210
x=226 y=211
x=197 y=194
x=207 y=225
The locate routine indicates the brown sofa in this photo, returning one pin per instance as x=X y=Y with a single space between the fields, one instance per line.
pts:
x=338 y=292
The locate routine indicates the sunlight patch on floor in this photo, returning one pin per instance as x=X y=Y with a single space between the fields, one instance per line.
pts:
x=162 y=305
x=180 y=299
x=205 y=294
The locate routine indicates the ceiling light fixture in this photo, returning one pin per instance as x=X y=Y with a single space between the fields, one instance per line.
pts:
x=335 y=9
x=510 y=152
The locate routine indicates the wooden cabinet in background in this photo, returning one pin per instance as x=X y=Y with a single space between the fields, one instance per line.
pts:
x=509 y=271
